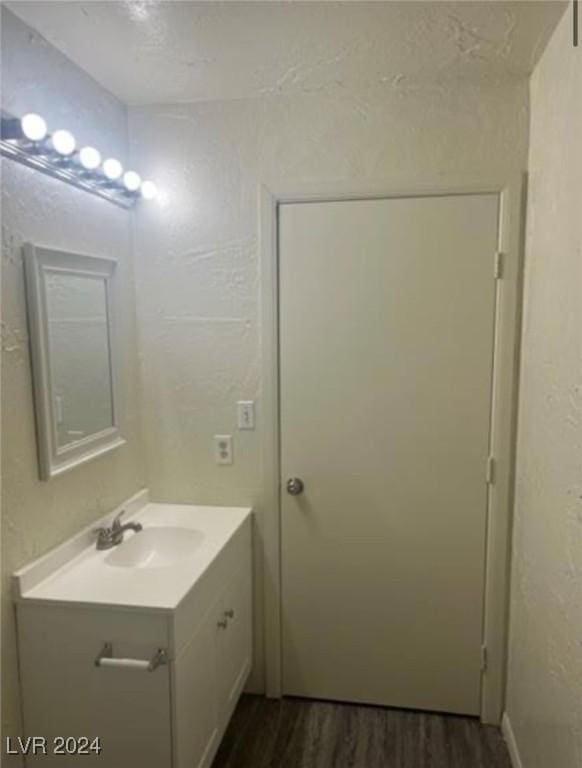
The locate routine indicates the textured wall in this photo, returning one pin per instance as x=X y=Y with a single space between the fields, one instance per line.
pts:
x=545 y=672
x=37 y=515
x=197 y=250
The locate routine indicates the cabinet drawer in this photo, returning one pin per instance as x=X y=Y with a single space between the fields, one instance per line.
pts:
x=66 y=694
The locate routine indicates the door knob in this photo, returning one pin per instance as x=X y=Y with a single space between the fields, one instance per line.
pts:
x=295 y=486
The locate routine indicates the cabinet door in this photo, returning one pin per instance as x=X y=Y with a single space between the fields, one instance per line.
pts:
x=234 y=641
x=195 y=698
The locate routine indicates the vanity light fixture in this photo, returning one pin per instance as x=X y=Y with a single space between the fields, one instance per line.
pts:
x=63 y=142
x=90 y=158
x=112 y=169
x=33 y=127
x=132 y=181
x=149 y=191
x=28 y=141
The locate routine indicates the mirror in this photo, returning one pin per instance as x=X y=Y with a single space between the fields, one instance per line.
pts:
x=73 y=341
x=78 y=339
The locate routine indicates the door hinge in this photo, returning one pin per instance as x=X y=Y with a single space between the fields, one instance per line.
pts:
x=498 y=265
x=484 y=658
x=490 y=471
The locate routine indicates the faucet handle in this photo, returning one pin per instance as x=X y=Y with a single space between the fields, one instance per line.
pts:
x=104 y=535
x=116 y=524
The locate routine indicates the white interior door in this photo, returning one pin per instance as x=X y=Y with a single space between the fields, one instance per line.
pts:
x=386 y=347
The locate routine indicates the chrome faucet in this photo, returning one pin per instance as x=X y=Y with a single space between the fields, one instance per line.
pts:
x=111 y=536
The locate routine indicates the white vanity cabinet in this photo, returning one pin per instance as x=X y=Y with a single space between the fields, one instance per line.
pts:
x=170 y=717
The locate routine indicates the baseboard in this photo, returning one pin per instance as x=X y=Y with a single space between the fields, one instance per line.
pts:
x=509 y=737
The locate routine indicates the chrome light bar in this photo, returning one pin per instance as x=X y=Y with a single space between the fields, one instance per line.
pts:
x=27 y=141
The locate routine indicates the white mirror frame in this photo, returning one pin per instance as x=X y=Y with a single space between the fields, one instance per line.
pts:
x=38 y=261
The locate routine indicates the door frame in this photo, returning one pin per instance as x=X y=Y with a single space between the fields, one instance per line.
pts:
x=503 y=419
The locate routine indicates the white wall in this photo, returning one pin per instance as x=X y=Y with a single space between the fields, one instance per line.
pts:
x=197 y=251
x=35 y=515
x=545 y=671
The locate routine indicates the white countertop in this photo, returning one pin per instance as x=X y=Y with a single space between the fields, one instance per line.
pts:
x=78 y=573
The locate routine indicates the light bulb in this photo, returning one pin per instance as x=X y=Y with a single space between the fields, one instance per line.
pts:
x=148 y=190
x=112 y=169
x=63 y=142
x=132 y=181
x=90 y=158
x=33 y=127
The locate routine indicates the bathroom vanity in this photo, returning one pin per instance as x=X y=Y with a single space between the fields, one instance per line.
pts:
x=145 y=646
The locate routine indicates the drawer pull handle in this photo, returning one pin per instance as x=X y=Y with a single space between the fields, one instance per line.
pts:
x=229 y=614
x=106 y=659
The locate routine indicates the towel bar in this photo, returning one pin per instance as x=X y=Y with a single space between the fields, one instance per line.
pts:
x=106 y=659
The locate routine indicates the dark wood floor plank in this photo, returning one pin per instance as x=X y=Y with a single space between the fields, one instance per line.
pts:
x=301 y=733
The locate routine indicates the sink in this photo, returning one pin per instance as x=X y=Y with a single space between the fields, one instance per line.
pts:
x=155 y=548
x=154 y=568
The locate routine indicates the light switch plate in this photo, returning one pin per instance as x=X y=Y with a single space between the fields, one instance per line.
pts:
x=246 y=414
x=223 y=449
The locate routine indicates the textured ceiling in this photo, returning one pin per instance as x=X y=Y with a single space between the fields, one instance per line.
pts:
x=152 y=51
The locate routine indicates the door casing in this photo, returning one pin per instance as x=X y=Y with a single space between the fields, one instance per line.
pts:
x=503 y=408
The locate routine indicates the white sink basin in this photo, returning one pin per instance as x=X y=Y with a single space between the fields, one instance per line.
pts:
x=155 y=548
x=154 y=568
